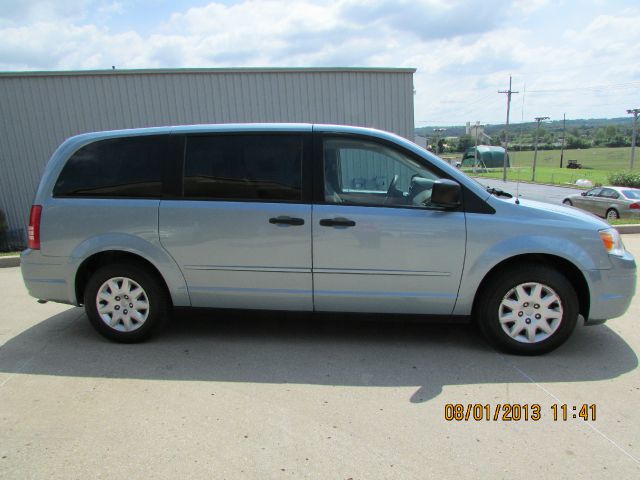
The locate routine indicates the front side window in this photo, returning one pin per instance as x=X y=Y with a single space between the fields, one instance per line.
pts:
x=362 y=172
x=244 y=167
x=128 y=167
x=594 y=192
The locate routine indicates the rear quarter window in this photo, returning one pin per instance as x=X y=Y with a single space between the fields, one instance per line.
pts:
x=128 y=167
x=632 y=194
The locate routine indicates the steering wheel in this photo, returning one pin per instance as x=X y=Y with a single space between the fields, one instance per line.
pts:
x=392 y=187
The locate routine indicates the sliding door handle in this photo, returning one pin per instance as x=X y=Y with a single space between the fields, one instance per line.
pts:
x=286 y=221
x=337 y=222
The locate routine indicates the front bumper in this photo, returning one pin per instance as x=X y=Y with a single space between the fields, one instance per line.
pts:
x=612 y=290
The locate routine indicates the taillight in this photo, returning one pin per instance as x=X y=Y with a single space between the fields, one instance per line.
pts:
x=34 y=227
x=635 y=206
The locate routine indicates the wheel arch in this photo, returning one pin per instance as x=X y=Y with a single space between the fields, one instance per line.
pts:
x=613 y=207
x=562 y=265
x=108 y=257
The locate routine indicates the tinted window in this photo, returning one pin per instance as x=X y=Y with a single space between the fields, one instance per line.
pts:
x=119 y=167
x=609 y=193
x=249 y=167
x=594 y=192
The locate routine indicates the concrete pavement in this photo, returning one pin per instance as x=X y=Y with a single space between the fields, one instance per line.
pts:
x=262 y=396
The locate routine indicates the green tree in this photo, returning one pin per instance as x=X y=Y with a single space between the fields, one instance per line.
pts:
x=577 y=142
x=465 y=142
x=611 y=131
x=600 y=137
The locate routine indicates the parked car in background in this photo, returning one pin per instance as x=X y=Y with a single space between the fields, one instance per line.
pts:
x=309 y=218
x=608 y=202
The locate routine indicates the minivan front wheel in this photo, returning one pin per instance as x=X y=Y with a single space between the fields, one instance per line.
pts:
x=125 y=303
x=528 y=310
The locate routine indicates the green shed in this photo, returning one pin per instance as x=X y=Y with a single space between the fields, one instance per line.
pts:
x=488 y=157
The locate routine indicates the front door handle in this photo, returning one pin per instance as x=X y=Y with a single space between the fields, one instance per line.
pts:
x=286 y=221
x=337 y=222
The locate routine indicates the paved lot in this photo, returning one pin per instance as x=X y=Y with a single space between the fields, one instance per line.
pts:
x=260 y=397
x=532 y=191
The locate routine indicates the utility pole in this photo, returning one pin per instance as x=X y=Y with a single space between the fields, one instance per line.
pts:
x=634 y=112
x=535 y=153
x=564 y=136
x=506 y=130
x=475 y=160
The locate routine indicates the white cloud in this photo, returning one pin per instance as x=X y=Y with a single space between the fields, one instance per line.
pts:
x=23 y=11
x=464 y=51
x=530 y=6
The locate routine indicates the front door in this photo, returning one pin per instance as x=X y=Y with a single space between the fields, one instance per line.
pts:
x=241 y=231
x=378 y=243
x=588 y=202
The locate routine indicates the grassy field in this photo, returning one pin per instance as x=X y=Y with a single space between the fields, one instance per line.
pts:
x=7 y=254
x=624 y=221
x=597 y=164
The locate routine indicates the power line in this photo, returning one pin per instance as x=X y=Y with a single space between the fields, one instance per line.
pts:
x=565 y=68
x=467 y=106
x=603 y=87
x=480 y=111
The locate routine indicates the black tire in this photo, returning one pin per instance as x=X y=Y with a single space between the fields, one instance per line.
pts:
x=154 y=294
x=566 y=201
x=501 y=284
x=612 y=214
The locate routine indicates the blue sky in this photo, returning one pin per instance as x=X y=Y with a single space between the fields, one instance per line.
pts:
x=578 y=57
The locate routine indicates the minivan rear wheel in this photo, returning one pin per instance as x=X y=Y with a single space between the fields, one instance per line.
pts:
x=125 y=303
x=528 y=310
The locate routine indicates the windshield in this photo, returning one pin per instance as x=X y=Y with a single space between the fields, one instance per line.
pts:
x=632 y=194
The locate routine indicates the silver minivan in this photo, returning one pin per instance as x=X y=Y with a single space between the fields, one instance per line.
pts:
x=303 y=217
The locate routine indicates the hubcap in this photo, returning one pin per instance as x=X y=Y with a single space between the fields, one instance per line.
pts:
x=612 y=214
x=122 y=304
x=530 y=312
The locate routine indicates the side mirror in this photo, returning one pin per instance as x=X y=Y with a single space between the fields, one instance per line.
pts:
x=584 y=194
x=446 y=193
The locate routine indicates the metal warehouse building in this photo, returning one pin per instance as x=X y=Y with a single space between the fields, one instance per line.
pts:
x=38 y=110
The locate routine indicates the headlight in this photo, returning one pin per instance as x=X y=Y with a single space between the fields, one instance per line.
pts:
x=612 y=241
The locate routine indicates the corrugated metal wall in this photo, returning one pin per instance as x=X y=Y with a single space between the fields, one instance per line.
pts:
x=39 y=110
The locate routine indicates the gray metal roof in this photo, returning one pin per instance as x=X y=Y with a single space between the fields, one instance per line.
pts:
x=164 y=71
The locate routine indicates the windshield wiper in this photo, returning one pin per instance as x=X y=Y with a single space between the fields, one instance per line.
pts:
x=499 y=193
